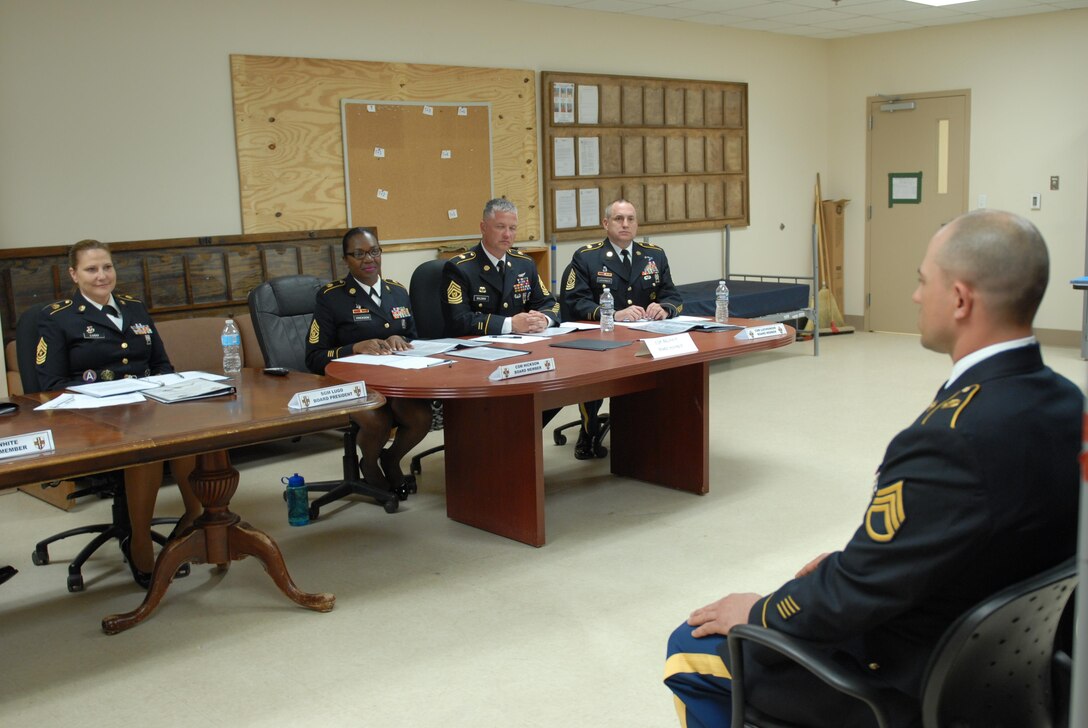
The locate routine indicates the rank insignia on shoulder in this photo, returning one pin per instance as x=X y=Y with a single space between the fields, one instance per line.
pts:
x=570 y=281
x=453 y=293
x=787 y=607
x=315 y=333
x=41 y=351
x=886 y=513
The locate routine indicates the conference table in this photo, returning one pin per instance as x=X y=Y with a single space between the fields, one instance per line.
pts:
x=659 y=413
x=96 y=440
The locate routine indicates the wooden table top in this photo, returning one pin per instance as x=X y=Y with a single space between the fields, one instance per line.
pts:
x=94 y=440
x=467 y=378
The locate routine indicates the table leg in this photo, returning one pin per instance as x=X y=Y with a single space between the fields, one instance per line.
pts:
x=662 y=435
x=217 y=537
x=495 y=465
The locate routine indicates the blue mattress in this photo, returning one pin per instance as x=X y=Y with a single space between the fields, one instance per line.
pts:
x=747 y=299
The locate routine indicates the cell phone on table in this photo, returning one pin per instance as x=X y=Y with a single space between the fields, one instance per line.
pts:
x=276 y=371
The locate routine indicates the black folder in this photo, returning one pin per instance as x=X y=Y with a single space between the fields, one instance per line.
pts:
x=591 y=344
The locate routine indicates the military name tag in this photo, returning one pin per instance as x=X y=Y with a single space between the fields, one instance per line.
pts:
x=360 y=314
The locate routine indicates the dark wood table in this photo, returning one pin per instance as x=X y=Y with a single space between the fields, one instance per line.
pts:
x=91 y=441
x=494 y=450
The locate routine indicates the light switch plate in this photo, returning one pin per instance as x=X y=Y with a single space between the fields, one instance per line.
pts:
x=1036 y=201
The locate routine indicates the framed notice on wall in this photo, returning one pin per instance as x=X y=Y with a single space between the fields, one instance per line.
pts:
x=417 y=171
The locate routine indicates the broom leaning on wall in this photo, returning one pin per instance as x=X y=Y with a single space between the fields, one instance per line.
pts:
x=830 y=316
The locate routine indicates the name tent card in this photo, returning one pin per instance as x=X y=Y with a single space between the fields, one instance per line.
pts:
x=522 y=369
x=327 y=395
x=769 y=331
x=31 y=443
x=673 y=345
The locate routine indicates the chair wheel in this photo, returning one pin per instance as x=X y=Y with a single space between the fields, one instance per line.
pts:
x=75 y=583
x=600 y=451
x=40 y=557
x=391 y=505
x=182 y=571
x=314 y=511
x=559 y=437
x=416 y=467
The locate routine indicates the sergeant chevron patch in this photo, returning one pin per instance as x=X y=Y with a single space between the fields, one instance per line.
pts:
x=315 y=332
x=886 y=513
x=453 y=293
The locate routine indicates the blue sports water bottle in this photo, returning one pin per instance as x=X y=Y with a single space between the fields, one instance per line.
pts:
x=298 y=501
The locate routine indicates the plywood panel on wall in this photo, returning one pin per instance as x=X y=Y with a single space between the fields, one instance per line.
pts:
x=290 y=151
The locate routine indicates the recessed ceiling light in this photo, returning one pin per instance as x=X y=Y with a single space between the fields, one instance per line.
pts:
x=940 y=3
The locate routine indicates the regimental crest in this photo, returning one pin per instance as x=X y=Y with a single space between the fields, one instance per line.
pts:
x=886 y=513
x=315 y=332
x=41 y=351
x=454 y=294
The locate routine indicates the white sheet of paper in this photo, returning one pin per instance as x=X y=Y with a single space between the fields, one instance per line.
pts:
x=582 y=325
x=589 y=207
x=566 y=209
x=556 y=330
x=670 y=345
x=563 y=103
x=563 y=156
x=397 y=362
x=587 y=104
x=114 y=387
x=507 y=339
x=589 y=156
x=84 y=401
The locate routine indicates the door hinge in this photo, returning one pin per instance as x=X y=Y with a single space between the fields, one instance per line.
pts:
x=868 y=300
x=869 y=212
x=870 y=122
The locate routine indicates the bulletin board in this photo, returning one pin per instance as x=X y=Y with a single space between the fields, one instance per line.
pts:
x=417 y=170
x=677 y=149
x=290 y=147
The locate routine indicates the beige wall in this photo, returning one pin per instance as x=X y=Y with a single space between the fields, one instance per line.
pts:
x=116 y=119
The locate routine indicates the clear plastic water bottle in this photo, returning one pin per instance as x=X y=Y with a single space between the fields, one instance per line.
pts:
x=721 y=303
x=232 y=348
x=608 y=310
x=298 y=501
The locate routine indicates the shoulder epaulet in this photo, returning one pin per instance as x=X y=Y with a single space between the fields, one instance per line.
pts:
x=331 y=285
x=464 y=257
x=126 y=297
x=392 y=282
x=518 y=254
x=948 y=410
x=651 y=246
x=589 y=247
x=52 y=308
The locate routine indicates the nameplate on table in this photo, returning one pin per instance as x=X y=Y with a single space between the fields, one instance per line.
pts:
x=769 y=331
x=522 y=369
x=673 y=345
x=31 y=443
x=327 y=395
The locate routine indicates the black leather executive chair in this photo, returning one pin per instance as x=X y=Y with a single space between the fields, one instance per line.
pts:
x=425 y=292
x=565 y=314
x=999 y=664
x=281 y=310
x=105 y=485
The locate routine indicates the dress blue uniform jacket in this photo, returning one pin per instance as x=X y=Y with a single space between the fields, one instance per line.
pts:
x=345 y=314
x=978 y=493
x=596 y=265
x=78 y=343
x=476 y=300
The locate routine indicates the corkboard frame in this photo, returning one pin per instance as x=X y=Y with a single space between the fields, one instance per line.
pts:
x=290 y=149
x=677 y=148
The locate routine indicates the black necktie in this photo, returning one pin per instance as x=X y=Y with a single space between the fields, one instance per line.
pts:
x=501 y=268
x=626 y=260
x=110 y=311
x=375 y=297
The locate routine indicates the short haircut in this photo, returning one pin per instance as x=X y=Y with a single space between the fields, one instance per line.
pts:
x=352 y=233
x=499 y=204
x=76 y=250
x=613 y=203
x=1003 y=257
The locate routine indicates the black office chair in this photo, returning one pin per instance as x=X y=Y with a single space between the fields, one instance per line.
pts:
x=998 y=664
x=425 y=292
x=281 y=310
x=604 y=421
x=104 y=485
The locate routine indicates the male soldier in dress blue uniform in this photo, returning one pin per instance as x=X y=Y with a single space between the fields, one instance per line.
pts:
x=493 y=289
x=641 y=284
x=364 y=313
x=978 y=493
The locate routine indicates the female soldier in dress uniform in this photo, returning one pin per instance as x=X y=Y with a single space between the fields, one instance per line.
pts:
x=364 y=314
x=98 y=336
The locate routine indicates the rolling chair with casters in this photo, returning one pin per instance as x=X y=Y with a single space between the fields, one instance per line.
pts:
x=604 y=422
x=998 y=664
x=281 y=310
x=425 y=292
x=104 y=485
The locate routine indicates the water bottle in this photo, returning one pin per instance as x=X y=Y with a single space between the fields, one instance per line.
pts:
x=608 y=310
x=298 y=502
x=721 y=303
x=232 y=348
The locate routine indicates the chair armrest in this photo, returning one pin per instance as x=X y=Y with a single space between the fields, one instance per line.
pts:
x=814 y=658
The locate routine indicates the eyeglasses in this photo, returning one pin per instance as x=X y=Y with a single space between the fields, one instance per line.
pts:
x=373 y=254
